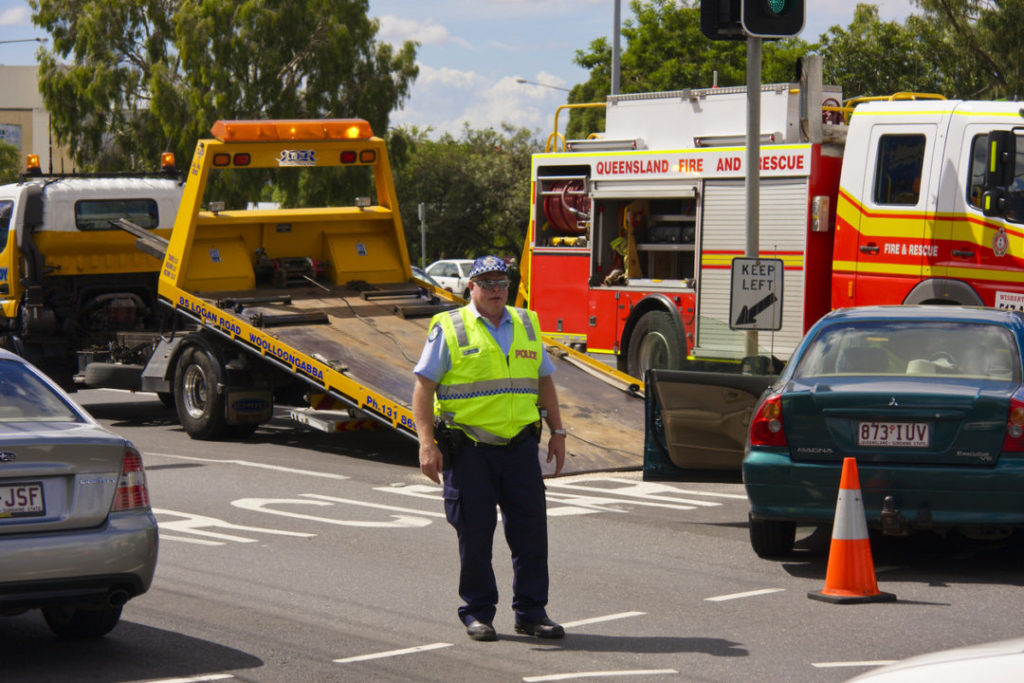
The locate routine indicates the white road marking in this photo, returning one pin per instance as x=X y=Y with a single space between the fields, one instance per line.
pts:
x=196 y=524
x=262 y=505
x=379 y=506
x=193 y=541
x=247 y=463
x=193 y=679
x=839 y=665
x=601 y=674
x=747 y=594
x=607 y=617
x=393 y=653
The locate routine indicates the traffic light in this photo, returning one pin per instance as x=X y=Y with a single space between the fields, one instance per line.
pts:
x=772 y=18
x=720 y=20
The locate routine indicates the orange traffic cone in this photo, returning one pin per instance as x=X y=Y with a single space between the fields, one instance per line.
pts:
x=850 y=576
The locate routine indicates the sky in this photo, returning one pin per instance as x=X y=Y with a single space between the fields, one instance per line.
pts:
x=472 y=51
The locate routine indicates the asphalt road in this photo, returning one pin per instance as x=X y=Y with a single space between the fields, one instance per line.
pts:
x=297 y=556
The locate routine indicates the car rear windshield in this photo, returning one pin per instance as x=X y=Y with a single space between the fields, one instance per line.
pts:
x=913 y=348
x=24 y=397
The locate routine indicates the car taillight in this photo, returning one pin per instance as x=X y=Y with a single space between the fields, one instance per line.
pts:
x=766 y=427
x=1014 y=439
x=131 y=485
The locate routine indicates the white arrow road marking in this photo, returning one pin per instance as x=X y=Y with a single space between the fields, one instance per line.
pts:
x=247 y=463
x=393 y=653
x=263 y=505
x=196 y=524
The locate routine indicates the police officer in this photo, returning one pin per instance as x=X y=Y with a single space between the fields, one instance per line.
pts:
x=492 y=380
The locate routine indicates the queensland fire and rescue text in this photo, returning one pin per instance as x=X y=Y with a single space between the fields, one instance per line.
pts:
x=709 y=162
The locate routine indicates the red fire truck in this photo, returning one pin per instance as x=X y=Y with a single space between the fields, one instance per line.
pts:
x=633 y=231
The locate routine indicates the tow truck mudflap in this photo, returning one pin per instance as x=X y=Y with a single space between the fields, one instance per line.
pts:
x=695 y=423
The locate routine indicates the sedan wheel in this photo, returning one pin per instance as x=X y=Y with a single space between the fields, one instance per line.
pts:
x=79 y=622
x=772 y=537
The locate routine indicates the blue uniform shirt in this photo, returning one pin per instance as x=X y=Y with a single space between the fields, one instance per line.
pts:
x=435 y=360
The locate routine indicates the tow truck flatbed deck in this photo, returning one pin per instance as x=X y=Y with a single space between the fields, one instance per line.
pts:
x=369 y=342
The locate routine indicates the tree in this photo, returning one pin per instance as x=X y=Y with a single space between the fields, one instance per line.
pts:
x=127 y=80
x=980 y=36
x=10 y=160
x=918 y=56
x=665 y=50
x=476 y=190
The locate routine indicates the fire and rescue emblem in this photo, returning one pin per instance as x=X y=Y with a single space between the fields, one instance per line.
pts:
x=1000 y=242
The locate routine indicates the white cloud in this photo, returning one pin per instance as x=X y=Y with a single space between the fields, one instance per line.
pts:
x=445 y=99
x=14 y=16
x=396 y=30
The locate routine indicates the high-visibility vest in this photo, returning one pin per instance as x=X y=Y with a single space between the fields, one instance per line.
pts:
x=487 y=395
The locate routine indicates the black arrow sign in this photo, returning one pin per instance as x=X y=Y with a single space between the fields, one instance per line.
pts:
x=748 y=314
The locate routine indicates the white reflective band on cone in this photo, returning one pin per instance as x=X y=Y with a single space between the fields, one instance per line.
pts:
x=850 y=523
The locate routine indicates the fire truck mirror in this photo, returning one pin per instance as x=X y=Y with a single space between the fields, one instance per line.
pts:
x=999 y=171
x=993 y=203
x=819 y=213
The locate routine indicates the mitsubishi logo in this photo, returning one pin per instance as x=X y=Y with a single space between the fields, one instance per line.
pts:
x=892 y=402
x=7 y=456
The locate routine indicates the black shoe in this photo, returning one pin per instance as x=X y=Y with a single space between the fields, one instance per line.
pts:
x=545 y=628
x=481 y=630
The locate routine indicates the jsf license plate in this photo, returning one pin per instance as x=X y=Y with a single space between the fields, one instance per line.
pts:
x=905 y=434
x=21 y=500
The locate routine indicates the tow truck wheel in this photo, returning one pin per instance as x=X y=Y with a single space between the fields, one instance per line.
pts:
x=772 y=537
x=200 y=407
x=655 y=343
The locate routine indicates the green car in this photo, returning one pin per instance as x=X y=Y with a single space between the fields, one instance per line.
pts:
x=929 y=401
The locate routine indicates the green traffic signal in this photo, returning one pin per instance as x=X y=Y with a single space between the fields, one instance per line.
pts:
x=772 y=18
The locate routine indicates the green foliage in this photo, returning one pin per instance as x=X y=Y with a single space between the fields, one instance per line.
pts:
x=979 y=44
x=476 y=189
x=10 y=163
x=918 y=56
x=127 y=80
x=665 y=50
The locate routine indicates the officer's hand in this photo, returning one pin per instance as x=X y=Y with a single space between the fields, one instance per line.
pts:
x=556 y=451
x=431 y=461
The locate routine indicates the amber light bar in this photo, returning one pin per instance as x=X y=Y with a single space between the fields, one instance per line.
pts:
x=285 y=130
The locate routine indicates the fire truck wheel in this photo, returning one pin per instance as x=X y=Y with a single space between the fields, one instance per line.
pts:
x=655 y=343
x=200 y=407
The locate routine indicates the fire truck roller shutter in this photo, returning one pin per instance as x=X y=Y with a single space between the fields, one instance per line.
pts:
x=653 y=337
x=943 y=292
x=568 y=208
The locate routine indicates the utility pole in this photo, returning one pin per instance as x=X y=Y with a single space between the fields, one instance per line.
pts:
x=422 y=209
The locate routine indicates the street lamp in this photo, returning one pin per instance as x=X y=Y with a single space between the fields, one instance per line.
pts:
x=543 y=85
x=25 y=40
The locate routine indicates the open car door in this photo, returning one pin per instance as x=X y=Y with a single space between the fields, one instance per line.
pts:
x=696 y=423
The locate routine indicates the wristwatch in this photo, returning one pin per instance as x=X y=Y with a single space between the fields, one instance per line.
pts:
x=558 y=431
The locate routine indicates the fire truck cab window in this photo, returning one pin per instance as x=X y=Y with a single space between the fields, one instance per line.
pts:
x=6 y=209
x=898 y=173
x=99 y=214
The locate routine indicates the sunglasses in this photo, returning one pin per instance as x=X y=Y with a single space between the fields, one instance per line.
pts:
x=501 y=283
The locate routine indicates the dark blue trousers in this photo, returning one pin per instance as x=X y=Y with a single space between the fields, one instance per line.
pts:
x=480 y=479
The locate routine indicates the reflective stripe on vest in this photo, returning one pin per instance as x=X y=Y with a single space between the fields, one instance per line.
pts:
x=487 y=394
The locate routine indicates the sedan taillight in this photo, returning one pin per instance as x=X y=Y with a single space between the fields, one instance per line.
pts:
x=766 y=427
x=131 y=485
x=1013 y=442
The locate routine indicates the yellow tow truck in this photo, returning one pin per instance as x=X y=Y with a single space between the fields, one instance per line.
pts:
x=317 y=307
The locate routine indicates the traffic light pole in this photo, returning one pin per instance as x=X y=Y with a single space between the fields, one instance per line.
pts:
x=753 y=163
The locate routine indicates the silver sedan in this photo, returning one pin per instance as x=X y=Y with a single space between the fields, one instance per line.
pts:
x=77 y=536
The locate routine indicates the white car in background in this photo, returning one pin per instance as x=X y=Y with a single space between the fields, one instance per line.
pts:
x=452 y=274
